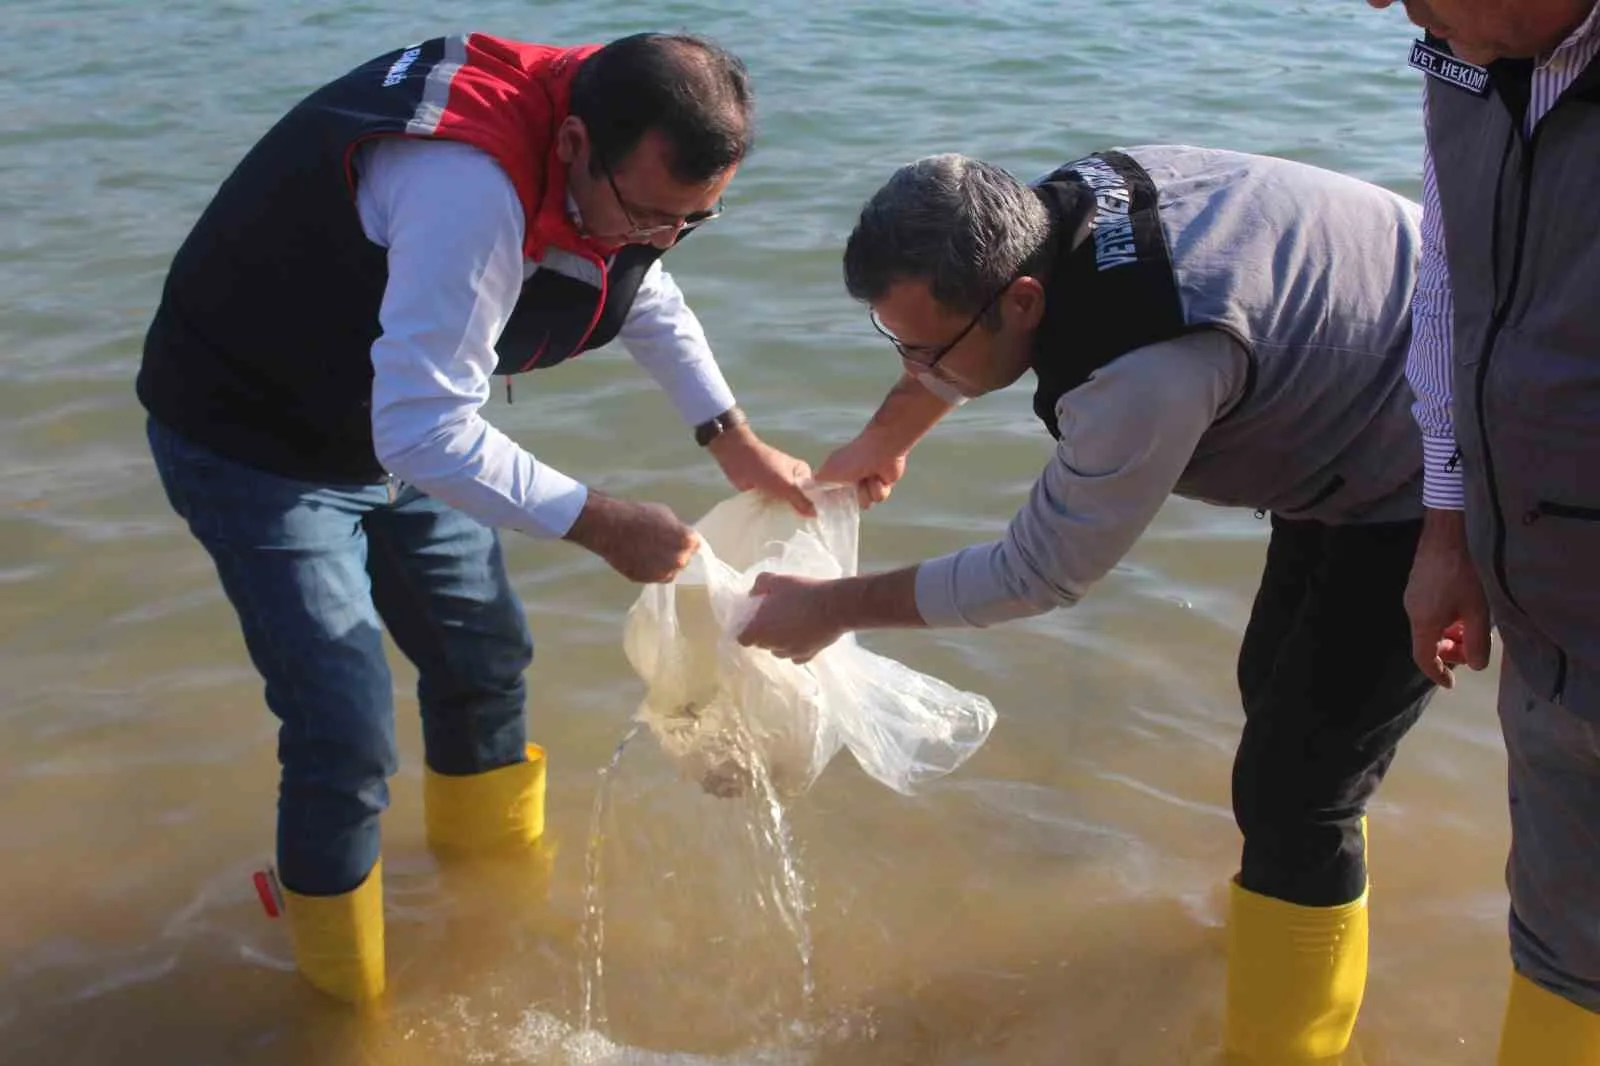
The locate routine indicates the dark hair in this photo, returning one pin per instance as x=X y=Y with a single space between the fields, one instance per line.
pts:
x=964 y=226
x=695 y=93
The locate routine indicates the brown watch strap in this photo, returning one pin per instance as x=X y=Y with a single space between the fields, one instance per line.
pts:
x=712 y=428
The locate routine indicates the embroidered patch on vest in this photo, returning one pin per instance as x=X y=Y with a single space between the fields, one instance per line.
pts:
x=1111 y=288
x=1447 y=68
x=1113 y=221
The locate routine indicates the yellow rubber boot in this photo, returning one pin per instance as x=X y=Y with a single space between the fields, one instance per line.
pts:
x=1296 y=976
x=1543 y=1029
x=493 y=811
x=338 y=940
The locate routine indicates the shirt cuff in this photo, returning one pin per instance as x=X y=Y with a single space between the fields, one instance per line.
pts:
x=936 y=593
x=961 y=590
x=557 y=502
x=702 y=396
x=1441 y=474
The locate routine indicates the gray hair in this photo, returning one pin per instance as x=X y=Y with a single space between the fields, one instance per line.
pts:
x=964 y=226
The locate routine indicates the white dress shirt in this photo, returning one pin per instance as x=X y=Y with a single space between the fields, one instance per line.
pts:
x=453 y=226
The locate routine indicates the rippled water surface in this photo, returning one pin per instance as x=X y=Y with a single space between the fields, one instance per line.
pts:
x=1057 y=900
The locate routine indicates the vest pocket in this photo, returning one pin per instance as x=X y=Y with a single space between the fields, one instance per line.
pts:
x=1550 y=509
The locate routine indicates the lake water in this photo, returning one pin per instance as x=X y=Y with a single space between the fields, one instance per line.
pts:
x=1059 y=899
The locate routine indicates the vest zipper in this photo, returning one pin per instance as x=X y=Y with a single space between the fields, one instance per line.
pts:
x=1486 y=354
x=1501 y=314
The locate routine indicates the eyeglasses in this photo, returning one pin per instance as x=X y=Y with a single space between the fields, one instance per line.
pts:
x=924 y=357
x=686 y=222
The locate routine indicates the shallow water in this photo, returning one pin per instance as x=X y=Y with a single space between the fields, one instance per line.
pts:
x=1057 y=900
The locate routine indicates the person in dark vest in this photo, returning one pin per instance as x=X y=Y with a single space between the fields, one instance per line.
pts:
x=1506 y=367
x=1227 y=327
x=445 y=213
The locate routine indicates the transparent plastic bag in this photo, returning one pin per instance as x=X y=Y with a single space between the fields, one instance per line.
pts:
x=728 y=715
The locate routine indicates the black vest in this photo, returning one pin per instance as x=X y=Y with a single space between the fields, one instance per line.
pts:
x=261 y=347
x=1110 y=288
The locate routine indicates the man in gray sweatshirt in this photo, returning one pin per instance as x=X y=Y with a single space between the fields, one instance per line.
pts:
x=1230 y=328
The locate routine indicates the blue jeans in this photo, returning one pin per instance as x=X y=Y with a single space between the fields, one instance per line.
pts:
x=314 y=571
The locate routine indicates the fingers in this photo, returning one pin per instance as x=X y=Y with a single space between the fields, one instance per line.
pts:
x=686 y=550
x=1449 y=648
x=796 y=493
x=776 y=482
x=753 y=634
x=753 y=629
x=1436 y=649
x=871 y=490
x=1428 y=608
x=794 y=655
x=768 y=630
x=673 y=550
x=1426 y=645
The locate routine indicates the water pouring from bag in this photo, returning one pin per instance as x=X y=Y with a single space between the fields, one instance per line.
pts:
x=715 y=706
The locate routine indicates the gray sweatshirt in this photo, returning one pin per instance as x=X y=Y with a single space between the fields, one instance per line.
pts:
x=1135 y=433
x=1287 y=393
x=1126 y=437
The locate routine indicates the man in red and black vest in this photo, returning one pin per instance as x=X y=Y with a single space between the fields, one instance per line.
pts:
x=463 y=208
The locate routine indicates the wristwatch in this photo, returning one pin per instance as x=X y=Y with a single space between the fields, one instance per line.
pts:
x=712 y=428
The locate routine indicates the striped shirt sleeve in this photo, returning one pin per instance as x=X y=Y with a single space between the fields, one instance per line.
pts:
x=1428 y=363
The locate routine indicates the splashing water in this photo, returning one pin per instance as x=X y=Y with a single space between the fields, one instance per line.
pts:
x=465 y=1032
x=788 y=888
x=592 y=960
x=781 y=889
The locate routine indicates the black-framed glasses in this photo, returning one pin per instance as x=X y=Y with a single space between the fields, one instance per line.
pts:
x=689 y=221
x=926 y=356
